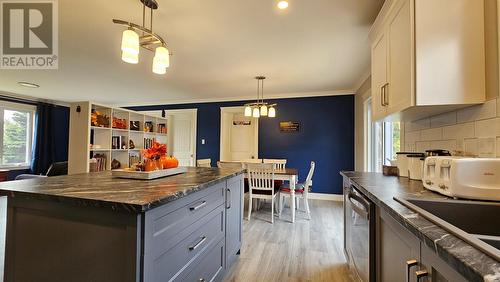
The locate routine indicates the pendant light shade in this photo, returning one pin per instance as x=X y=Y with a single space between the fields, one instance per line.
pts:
x=130 y=47
x=272 y=112
x=130 y=58
x=263 y=110
x=161 y=60
x=248 y=111
x=256 y=113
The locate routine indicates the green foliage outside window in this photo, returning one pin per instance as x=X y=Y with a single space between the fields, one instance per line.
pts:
x=15 y=137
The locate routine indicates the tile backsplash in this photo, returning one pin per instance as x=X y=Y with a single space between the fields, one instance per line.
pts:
x=474 y=130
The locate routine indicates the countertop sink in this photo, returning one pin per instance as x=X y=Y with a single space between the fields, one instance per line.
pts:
x=476 y=222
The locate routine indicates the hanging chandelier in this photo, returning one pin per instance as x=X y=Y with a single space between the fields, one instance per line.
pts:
x=132 y=41
x=260 y=108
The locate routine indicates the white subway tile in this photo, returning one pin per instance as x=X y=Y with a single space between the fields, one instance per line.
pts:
x=412 y=136
x=433 y=134
x=488 y=128
x=418 y=124
x=478 y=112
x=449 y=145
x=444 y=119
x=409 y=147
x=459 y=131
x=422 y=146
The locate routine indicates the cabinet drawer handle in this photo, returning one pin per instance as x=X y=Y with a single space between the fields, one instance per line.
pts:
x=421 y=274
x=228 y=195
x=195 y=246
x=382 y=94
x=201 y=205
x=409 y=264
x=386 y=94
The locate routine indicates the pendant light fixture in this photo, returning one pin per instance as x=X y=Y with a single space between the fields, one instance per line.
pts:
x=132 y=41
x=260 y=108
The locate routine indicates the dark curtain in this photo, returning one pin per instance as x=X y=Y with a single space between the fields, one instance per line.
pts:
x=44 y=146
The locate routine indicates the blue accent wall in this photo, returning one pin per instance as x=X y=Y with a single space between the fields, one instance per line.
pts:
x=326 y=135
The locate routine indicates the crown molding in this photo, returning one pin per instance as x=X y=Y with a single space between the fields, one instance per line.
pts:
x=240 y=98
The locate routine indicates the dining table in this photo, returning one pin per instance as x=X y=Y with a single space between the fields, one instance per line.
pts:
x=291 y=175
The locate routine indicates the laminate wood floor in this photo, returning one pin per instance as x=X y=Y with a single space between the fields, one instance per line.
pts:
x=301 y=251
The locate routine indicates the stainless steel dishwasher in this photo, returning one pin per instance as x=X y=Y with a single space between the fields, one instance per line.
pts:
x=359 y=233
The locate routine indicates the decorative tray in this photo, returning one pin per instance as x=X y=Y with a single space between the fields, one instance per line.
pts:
x=148 y=175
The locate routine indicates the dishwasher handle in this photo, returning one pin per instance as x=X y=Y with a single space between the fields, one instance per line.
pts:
x=363 y=212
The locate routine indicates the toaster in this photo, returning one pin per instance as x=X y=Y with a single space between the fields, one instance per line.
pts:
x=459 y=177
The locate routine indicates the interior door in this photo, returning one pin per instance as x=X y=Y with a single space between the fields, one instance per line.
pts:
x=242 y=137
x=182 y=137
x=379 y=76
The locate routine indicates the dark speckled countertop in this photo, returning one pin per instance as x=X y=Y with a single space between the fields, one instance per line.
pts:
x=103 y=190
x=472 y=263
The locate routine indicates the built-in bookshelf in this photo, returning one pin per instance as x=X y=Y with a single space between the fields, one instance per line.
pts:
x=99 y=134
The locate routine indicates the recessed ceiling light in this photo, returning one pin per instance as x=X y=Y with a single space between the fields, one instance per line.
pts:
x=28 y=84
x=283 y=5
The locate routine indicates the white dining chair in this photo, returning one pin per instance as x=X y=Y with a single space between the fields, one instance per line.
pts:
x=204 y=163
x=261 y=185
x=301 y=192
x=233 y=165
x=280 y=164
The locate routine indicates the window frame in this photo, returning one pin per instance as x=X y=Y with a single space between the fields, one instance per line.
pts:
x=20 y=107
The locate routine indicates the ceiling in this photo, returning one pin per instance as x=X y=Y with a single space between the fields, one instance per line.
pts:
x=313 y=48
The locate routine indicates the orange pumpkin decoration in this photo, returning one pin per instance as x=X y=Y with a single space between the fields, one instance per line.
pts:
x=169 y=162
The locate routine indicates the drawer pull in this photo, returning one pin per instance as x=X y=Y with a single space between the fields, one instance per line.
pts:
x=201 y=205
x=195 y=246
x=228 y=204
x=409 y=264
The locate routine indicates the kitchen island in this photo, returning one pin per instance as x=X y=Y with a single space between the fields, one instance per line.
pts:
x=93 y=227
x=409 y=246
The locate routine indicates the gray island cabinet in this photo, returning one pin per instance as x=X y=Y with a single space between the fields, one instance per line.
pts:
x=93 y=227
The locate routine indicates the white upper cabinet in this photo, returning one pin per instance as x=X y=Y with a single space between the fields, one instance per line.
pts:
x=428 y=57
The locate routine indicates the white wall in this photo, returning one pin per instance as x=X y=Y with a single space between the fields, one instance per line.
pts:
x=458 y=130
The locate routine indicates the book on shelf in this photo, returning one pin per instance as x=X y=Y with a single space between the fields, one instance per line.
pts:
x=119 y=142
x=161 y=128
x=98 y=163
x=148 y=142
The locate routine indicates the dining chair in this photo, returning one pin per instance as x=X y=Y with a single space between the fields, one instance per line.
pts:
x=280 y=164
x=234 y=165
x=301 y=192
x=261 y=185
x=204 y=163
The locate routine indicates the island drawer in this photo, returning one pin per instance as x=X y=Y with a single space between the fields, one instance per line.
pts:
x=168 y=260
x=163 y=223
x=210 y=267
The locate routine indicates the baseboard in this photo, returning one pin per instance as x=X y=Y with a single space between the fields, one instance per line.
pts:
x=326 y=197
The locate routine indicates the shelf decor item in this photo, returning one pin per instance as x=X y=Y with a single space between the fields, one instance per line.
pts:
x=98 y=119
x=132 y=42
x=135 y=125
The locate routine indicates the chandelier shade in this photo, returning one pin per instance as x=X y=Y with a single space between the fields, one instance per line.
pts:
x=260 y=108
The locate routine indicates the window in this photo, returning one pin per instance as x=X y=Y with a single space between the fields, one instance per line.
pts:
x=16 y=138
x=382 y=140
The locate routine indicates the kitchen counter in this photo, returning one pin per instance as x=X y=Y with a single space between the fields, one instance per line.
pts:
x=94 y=227
x=102 y=190
x=470 y=262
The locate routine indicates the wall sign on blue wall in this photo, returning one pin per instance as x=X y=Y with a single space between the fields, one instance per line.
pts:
x=289 y=126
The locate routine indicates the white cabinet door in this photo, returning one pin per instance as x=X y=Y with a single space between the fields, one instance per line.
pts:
x=400 y=91
x=182 y=136
x=379 y=76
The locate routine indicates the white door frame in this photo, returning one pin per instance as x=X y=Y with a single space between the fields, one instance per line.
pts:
x=194 y=113
x=224 y=135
